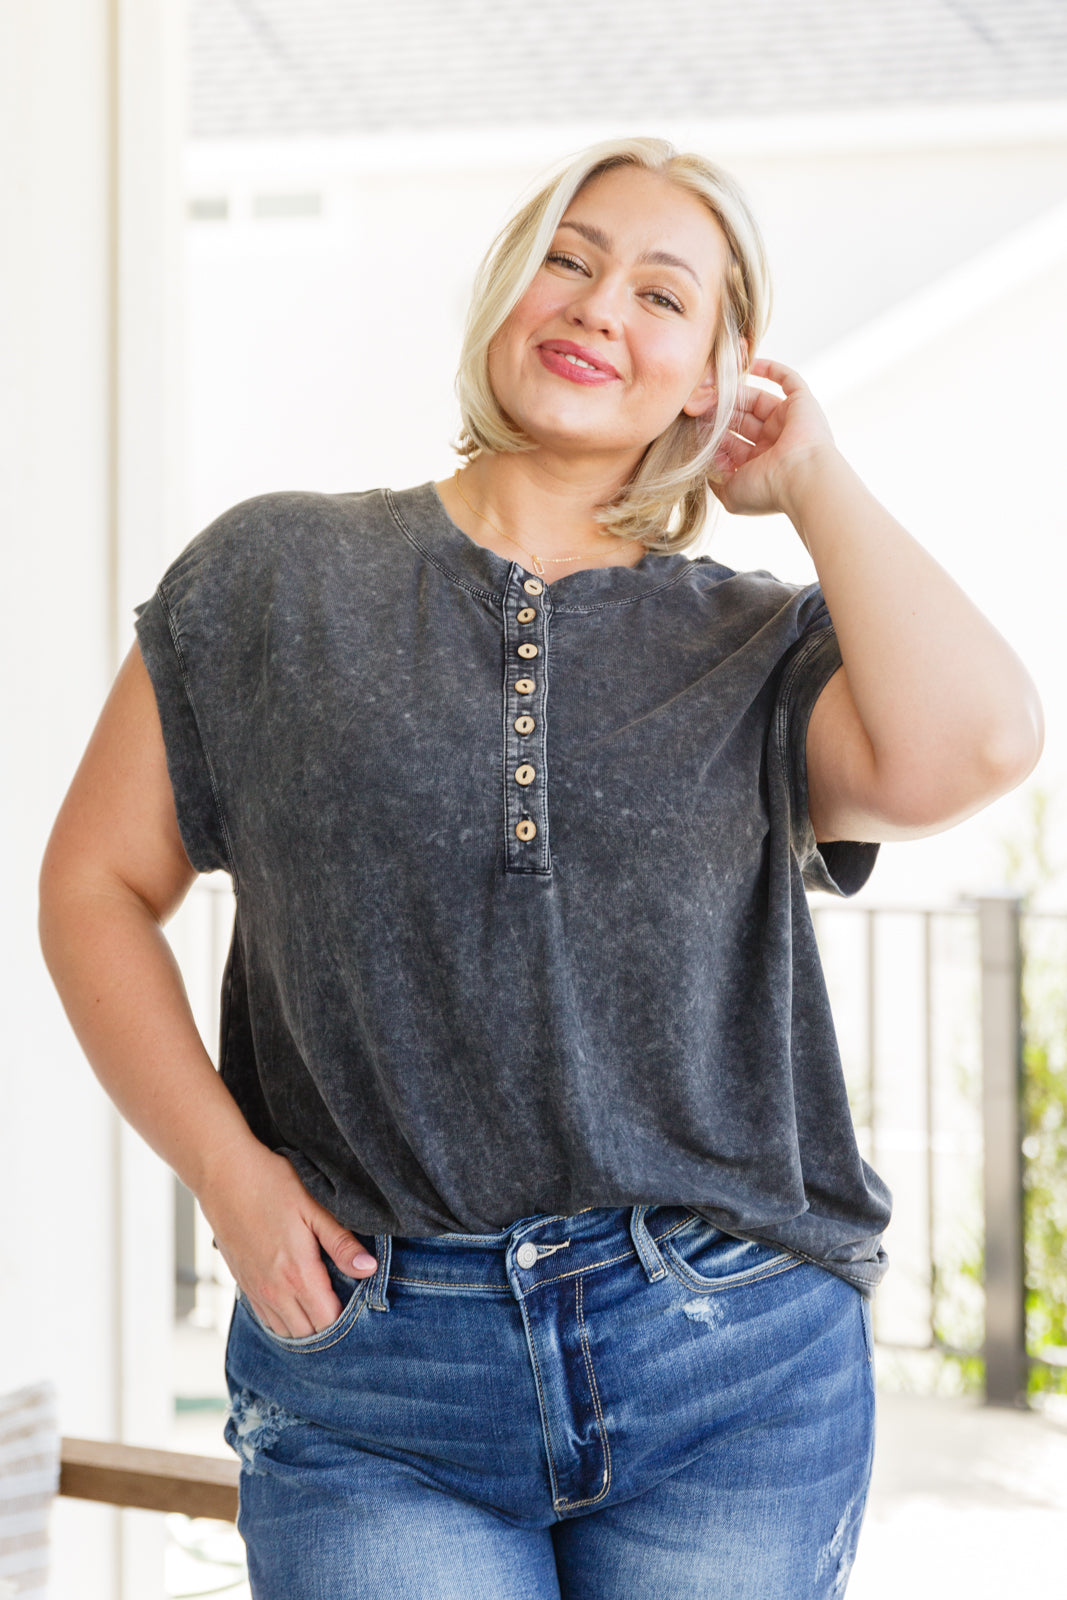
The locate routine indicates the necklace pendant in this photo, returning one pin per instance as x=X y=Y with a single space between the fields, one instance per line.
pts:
x=539 y=566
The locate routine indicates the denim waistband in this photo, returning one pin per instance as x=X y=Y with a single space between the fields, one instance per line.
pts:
x=528 y=1252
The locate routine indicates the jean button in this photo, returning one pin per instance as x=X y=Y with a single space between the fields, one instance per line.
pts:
x=526 y=1255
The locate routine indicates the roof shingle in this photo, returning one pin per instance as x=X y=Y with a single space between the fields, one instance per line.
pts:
x=269 y=68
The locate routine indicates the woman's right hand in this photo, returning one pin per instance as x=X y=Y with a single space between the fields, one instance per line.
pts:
x=271 y=1234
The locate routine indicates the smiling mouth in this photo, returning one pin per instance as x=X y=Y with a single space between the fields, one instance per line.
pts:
x=571 y=361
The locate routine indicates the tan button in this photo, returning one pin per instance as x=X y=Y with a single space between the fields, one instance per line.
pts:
x=528 y=651
x=525 y=774
x=533 y=586
x=524 y=686
x=525 y=829
x=524 y=725
x=527 y=614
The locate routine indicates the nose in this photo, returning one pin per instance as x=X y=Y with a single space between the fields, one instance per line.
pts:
x=597 y=306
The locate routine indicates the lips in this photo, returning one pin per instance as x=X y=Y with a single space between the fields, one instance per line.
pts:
x=575 y=362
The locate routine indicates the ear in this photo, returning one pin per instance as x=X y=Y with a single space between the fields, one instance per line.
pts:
x=704 y=397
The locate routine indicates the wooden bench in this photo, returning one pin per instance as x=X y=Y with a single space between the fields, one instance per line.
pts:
x=150 y=1480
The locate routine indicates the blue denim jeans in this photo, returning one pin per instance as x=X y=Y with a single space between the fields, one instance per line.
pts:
x=621 y=1403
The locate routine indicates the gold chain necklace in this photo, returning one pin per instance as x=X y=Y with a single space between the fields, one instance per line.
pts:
x=538 y=561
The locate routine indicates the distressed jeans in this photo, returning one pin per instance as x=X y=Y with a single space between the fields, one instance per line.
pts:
x=622 y=1403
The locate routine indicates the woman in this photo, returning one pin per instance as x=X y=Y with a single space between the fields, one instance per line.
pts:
x=530 y=1153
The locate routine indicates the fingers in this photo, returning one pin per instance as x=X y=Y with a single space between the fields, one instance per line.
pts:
x=756 y=402
x=297 y=1308
x=300 y=1303
x=293 y=1323
x=733 y=451
x=307 y=1302
x=345 y=1250
x=786 y=379
x=747 y=426
x=274 y=1237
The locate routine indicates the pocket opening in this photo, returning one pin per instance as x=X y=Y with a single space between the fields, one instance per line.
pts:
x=739 y=1261
x=334 y=1331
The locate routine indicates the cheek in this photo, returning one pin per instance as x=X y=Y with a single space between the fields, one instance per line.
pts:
x=541 y=302
x=674 y=367
x=510 y=341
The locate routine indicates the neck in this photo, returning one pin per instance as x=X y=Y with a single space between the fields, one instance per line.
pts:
x=544 y=511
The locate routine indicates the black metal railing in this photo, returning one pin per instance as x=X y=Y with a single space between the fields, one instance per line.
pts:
x=940 y=1014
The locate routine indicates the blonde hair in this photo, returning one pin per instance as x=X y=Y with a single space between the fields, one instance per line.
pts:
x=665 y=502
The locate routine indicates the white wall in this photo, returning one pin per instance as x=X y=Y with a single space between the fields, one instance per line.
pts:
x=322 y=350
x=90 y=94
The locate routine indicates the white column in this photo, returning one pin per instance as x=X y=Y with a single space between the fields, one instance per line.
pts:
x=91 y=102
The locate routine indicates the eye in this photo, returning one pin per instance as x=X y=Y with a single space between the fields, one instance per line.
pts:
x=664 y=298
x=560 y=258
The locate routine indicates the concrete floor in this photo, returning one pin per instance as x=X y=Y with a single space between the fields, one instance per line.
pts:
x=967 y=1503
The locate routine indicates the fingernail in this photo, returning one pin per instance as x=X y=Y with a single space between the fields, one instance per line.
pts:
x=363 y=1260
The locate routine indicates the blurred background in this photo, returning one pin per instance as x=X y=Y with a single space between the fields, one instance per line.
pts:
x=238 y=237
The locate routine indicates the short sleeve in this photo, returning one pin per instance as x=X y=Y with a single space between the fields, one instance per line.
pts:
x=843 y=866
x=196 y=798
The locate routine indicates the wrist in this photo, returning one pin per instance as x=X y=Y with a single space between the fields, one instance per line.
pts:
x=806 y=479
x=238 y=1164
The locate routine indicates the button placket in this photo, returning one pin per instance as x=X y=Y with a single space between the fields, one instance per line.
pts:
x=526 y=613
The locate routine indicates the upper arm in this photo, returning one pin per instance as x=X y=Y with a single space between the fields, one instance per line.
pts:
x=931 y=781
x=850 y=797
x=117 y=826
x=840 y=764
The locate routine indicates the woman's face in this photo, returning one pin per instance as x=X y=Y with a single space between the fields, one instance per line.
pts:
x=612 y=340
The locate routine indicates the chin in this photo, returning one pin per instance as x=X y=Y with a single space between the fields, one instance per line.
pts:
x=564 y=433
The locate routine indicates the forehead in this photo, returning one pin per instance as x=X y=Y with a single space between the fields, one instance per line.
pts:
x=640 y=211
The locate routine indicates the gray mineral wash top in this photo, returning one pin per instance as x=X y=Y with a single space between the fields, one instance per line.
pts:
x=521 y=923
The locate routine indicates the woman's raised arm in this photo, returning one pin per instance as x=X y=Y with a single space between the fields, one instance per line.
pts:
x=933 y=715
x=114 y=871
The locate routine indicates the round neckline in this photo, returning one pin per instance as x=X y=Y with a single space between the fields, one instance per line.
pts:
x=514 y=561
x=421 y=513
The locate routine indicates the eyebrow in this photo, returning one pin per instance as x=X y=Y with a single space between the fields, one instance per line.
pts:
x=656 y=258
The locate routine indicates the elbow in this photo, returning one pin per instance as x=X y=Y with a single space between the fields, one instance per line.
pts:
x=1013 y=752
x=64 y=888
x=47 y=897
x=1011 y=748
x=52 y=901
x=952 y=785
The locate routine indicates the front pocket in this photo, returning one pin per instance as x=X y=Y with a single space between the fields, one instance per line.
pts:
x=705 y=1259
x=352 y=1293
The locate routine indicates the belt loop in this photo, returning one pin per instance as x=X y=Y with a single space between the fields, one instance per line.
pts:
x=646 y=1246
x=383 y=1250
